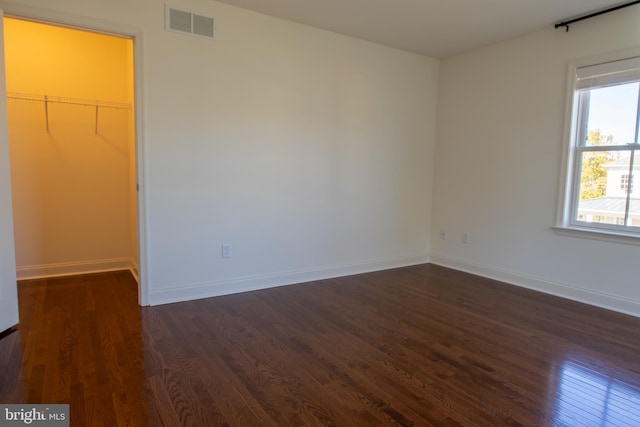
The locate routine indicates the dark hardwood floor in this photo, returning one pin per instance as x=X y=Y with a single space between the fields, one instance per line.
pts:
x=421 y=346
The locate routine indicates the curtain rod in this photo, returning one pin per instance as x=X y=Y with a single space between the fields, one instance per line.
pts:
x=594 y=14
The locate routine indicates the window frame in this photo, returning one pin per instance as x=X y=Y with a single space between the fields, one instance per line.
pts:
x=567 y=222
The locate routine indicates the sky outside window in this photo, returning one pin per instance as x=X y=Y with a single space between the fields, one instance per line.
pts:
x=613 y=110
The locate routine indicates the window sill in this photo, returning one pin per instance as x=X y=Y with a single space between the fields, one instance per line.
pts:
x=602 y=235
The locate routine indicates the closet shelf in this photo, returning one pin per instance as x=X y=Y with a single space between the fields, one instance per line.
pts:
x=46 y=99
x=64 y=100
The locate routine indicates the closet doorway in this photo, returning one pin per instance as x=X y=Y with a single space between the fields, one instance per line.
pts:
x=72 y=144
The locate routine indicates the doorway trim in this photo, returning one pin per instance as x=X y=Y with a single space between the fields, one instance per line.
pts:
x=48 y=16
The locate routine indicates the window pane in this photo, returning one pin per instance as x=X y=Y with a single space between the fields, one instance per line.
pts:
x=603 y=186
x=612 y=115
x=633 y=185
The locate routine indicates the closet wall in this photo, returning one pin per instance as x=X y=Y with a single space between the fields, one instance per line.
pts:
x=72 y=166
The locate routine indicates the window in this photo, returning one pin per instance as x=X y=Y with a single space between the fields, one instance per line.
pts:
x=604 y=153
x=626 y=184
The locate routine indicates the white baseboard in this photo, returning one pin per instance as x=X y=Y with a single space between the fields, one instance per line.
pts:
x=572 y=292
x=72 y=268
x=133 y=268
x=189 y=292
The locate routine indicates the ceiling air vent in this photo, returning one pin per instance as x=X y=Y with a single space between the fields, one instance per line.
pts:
x=186 y=22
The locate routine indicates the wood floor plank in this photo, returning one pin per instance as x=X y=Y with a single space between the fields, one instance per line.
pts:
x=416 y=346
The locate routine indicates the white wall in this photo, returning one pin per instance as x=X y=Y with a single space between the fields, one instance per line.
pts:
x=8 y=289
x=310 y=152
x=498 y=160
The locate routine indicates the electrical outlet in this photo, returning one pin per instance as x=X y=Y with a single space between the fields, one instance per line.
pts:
x=226 y=250
x=465 y=237
x=443 y=234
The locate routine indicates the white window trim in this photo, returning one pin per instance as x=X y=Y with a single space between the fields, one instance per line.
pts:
x=604 y=235
x=564 y=226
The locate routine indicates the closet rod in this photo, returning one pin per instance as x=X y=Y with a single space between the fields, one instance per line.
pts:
x=63 y=100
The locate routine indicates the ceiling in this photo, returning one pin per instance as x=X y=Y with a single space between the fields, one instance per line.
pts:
x=436 y=28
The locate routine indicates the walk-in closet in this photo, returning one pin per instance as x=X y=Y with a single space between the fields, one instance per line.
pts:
x=72 y=149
